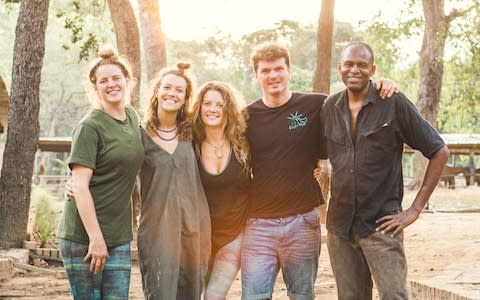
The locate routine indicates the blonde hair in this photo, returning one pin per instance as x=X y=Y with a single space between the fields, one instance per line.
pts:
x=234 y=119
x=151 y=120
x=108 y=56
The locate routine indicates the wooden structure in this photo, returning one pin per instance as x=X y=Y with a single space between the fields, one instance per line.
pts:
x=460 y=144
x=468 y=144
x=3 y=105
x=54 y=144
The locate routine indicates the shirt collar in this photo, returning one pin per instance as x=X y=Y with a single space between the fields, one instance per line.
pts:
x=372 y=96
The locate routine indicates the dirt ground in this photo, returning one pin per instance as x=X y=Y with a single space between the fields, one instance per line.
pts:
x=442 y=248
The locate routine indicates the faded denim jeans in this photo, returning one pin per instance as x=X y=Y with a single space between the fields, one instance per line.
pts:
x=356 y=261
x=291 y=244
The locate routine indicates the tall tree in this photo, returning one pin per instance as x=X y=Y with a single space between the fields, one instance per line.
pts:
x=23 y=125
x=436 y=30
x=153 y=38
x=321 y=78
x=128 y=40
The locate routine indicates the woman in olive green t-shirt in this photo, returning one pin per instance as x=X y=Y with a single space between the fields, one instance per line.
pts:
x=95 y=231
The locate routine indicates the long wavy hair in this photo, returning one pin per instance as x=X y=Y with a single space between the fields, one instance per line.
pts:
x=234 y=120
x=151 y=120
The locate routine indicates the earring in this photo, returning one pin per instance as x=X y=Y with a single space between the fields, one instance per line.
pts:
x=182 y=113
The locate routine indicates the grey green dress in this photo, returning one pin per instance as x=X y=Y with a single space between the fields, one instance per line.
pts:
x=174 y=227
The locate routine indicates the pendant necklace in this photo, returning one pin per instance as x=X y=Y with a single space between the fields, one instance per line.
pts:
x=158 y=131
x=217 y=150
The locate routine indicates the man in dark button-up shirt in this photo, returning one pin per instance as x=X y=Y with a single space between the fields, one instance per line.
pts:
x=365 y=137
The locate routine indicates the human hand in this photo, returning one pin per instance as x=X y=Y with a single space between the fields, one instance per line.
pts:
x=97 y=254
x=397 y=222
x=320 y=171
x=387 y=87
x=317 y=173
x=68 y=193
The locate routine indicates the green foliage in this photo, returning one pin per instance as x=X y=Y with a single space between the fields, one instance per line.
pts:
x=460 y=96
x=77 y=28
x=220 y=57
x=9 y=3
x=459 y=109
x=76 y=19
x=45 y=218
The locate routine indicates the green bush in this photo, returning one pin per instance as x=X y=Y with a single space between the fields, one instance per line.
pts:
x=45 y=217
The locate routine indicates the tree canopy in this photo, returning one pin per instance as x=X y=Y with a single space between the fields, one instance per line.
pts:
x=77 y=28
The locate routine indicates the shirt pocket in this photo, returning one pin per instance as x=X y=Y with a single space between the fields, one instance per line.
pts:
x=336 y=144
x=379 y=144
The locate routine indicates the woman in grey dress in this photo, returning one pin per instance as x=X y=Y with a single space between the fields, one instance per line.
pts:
x=174 y=226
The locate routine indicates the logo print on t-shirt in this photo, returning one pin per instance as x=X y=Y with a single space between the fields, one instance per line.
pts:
x=298 y=120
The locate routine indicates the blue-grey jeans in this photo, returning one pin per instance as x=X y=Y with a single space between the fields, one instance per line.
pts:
x=356 y=260
x=291 y=244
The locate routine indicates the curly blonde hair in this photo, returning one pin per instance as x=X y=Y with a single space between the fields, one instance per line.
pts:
x=151 y=120
x=234 y=120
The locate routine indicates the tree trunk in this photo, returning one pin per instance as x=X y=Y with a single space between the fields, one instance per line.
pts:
x=23 y=125
x=431 y=73
x=128 y=43
x=321 y=80
x=128 y=40
x=153 y=38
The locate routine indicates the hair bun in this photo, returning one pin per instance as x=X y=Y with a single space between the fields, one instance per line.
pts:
x=183 y=66
x=106 y=52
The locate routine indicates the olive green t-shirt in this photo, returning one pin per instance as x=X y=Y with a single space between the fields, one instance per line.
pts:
x=114 y=151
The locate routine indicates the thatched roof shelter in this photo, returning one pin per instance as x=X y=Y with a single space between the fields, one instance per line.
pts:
x=3 y=105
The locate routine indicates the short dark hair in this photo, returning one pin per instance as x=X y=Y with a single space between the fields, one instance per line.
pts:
x=361 y=44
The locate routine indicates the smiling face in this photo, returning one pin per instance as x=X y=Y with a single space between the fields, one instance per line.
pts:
x=356 y=67
x=212 y=109
x=171 y=93
x=273 y=76
x=110 y=84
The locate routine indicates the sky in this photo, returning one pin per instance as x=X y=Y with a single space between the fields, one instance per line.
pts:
x=197 y=19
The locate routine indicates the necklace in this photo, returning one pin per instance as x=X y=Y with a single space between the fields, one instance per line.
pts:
x=168 y=130
x=217 y=150
x=157 y=132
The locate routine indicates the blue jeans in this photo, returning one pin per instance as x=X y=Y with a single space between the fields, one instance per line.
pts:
x=355 y=261
x=112 y=283
x=291 y=244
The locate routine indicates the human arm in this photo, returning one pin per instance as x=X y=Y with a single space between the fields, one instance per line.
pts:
x=387 y=88
x=97 y=248
x=396 y=223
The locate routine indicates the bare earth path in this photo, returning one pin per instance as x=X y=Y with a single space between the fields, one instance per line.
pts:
x=443 y=250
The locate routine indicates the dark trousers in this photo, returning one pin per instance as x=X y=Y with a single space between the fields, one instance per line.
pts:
x=357 y=260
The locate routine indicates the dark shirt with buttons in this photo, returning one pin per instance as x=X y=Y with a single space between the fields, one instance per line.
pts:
x=367 y=181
